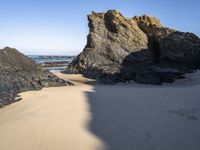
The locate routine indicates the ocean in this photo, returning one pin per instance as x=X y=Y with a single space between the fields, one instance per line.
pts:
x=51 y=62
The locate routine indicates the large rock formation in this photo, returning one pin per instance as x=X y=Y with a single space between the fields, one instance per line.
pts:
x=139 y=48
x=19 y=73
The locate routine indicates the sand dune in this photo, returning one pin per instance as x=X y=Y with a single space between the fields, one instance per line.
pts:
x=95 y=117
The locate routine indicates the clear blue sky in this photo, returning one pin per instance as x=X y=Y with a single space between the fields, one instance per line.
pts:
x=60 y=26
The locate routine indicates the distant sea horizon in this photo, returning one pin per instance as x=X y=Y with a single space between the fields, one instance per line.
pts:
x=53 y=63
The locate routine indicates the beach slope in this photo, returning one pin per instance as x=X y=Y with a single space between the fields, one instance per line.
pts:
x=114 y=117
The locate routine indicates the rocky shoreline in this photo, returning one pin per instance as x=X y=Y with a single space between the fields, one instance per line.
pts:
x=19 y=73
x=121 y=49
x=52 y=63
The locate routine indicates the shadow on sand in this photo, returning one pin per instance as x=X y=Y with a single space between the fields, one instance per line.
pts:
x=138 y=117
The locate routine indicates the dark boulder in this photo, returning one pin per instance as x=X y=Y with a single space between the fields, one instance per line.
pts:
x=139 y=48
x=19 y=73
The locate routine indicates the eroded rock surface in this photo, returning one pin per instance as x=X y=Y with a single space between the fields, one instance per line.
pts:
x=19 y=73
x=138 y=48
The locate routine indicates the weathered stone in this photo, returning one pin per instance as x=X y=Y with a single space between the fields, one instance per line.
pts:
x=122 y=49
x=19 y=73
x=148 y=77
x=110 y=40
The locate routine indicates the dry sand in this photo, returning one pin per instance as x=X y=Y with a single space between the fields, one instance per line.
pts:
x=50 y=119
x=95 y=117
x=77 y=78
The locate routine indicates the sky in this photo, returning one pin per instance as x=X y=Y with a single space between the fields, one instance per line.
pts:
x=60 y=27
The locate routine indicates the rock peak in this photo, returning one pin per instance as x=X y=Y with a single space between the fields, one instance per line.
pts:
x=7 y=48
x=139 y=48
x=147 y=20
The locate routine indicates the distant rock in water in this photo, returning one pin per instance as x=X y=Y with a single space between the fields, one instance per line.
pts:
x=53 y=63
x=139 y=48
x=19 y=73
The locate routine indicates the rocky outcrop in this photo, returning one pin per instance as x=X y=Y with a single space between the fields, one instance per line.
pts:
x=19 y=73
x=138 y=48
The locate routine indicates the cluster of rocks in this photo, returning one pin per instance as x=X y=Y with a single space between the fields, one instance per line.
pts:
x=55 y=64
x=49 y=61
x=139 y=48
x=19 y=73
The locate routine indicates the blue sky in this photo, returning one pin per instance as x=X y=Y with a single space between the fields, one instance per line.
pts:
x=60 y=26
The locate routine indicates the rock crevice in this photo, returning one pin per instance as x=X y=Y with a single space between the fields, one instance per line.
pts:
x=139 y=48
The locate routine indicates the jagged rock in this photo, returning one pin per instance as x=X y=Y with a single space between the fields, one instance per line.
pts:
x=112 y=37
x=138 y=48
x=19 y=73
x=168 y=43
x=55 y=64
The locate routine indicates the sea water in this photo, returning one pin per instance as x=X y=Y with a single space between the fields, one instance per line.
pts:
x=42 y=59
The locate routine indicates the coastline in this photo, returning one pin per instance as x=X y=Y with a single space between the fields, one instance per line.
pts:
x=95 y=117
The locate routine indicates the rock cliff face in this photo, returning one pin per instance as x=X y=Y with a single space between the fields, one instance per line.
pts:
x=18 y=73
x=139 y=48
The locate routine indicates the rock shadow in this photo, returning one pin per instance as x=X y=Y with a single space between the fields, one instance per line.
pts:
x=138 y=117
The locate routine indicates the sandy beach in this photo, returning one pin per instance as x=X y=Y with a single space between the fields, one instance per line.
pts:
x=98 y=117
x=99 y=75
